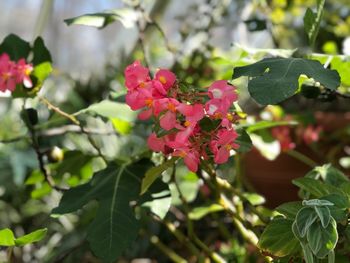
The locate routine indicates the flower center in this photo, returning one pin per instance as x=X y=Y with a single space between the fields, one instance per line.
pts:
x=149 y=102
x=162 y=79
x=187 y=123
x=171 y=107
x=228 y=147
x=229 y=116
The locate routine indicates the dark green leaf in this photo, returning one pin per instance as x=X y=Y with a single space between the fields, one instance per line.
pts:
x=41 y=53
x=308 y=256
x=153 y=173
x=244 y=141
x=290 y=209
x=278 y=238
x=322 y=240
x=314 y=187
x=312 y=21
x=276 y=79
x=324 y=215
x=304 y=219
x=31 y=237
x=115 y=225
x=15 y=47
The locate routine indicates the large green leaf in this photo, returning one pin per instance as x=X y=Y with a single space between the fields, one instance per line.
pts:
x=322 y=240
x=278 y=238
x=40 y=52
x=276 y=79
x=128 y=17
x=115 y=225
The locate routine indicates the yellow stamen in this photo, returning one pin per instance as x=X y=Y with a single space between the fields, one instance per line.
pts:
x=229 y=116
x=182 y=154
x=162 y=79
x=149 y=102
x=217 y=115
x=142 y=84
x=187 y=123
x=228 y=147
x=171 y=107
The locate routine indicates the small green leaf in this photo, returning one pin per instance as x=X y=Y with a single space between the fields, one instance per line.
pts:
x=243 y=140
x=111 y=109
x=128 y=17
x=322 y=240
x=278 y=238
x=308 y=256
x=200 y=212
x=7 y=238
x=41 y=53
x=312 y=21
x=290 y=209
x=153 y=173
x=304 y=219
x=276 y=79
x=324 y=215
x=262 y=125
x=317 y=202
x=331 y=257
x=31 y=238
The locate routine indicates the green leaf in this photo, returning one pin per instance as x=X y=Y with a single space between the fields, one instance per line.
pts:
x=200 y=212
x=317 y=202
x=254 y=198
x=308 y=256
x=312 y=22
x=15 y=47
x=276 y=79
x=7 y=238
x=278 y=238
x=31 y=238
x=324 y=215
x=110 y=109
x=157 y=199
x=244 y=141
x=115 y=225
x=331 y=175
x=41 y=53
x=314 y=187
x=322 y=240
x=153 y=173
x=331 y=257
x=304 y=219
x=290 y=209
x=128 y=17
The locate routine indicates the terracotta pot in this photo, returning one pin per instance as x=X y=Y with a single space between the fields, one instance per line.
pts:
x=273 y=179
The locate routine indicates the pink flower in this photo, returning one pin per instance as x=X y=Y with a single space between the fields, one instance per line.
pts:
x=190 y=156
x=222 y=144
x=311 y=134
x=166 y=77
x=221 y=90
x=156 y=144
x=7 y=73
x=167 y=106
x=193 y=113
x=282 y=134
x=136 y=76
x=217 y=108
x=138 y=99
x=23 y=72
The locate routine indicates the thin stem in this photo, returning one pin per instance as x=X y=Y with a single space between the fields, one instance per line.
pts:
x=171 y=254
x=73 y=119
x=302 y=157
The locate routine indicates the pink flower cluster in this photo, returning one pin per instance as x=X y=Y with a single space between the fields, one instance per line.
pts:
x=13 y=73
x=178 y=114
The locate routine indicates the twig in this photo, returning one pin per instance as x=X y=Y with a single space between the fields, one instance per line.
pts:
x=301 y=157
x=171 y=254
x=39 y=154
x=76 y=122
